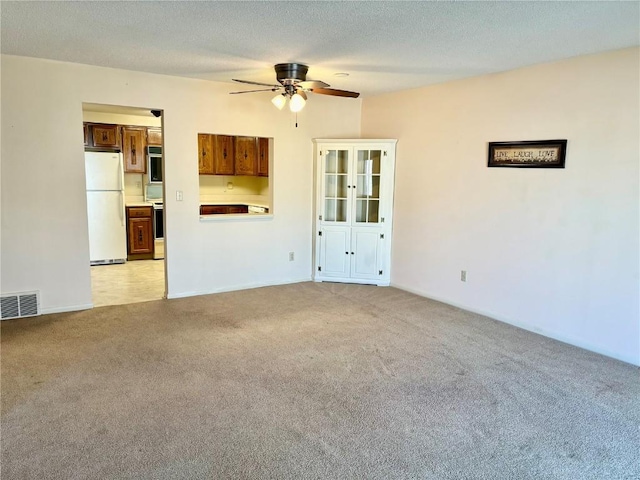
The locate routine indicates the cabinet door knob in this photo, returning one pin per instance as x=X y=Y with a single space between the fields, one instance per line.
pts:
x=346 y=253
x=351 y=253
x=245 y=154
x=204 y=152
x=224 y=153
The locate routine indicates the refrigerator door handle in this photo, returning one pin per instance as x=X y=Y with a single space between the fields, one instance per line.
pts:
x=121 y=170
x=122 y=207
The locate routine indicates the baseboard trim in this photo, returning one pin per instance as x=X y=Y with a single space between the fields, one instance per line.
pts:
x=235 y=288
x=360 y=281
x=526 y=326
x=72 y=308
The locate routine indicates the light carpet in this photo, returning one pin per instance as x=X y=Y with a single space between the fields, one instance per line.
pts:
x=322 y=381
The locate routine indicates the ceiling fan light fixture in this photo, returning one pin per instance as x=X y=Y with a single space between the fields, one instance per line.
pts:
x=296 y=103
x=293 y=83
x=279 y=101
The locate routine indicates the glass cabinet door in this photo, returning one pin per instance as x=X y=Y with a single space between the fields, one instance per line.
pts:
x=336 y=183
x=367 y=201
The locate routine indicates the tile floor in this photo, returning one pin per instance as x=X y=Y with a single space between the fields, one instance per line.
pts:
x=131 y=282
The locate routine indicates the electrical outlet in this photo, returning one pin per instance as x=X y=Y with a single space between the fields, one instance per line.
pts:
x=138 y=184
x=463 y=275
x=291 y=256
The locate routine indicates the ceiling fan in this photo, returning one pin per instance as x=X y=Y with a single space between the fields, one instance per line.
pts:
x=294 y=85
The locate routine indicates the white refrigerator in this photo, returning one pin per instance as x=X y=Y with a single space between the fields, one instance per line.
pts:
x=105 y=207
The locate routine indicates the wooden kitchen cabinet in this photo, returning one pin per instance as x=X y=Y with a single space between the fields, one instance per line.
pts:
x=133 y=149
x=246 y=156
x=205 y=154
x=223 y=209
x=223 y=163
x=154 y=136
x=139 y=233
x=98 y=135
x=233 y=155
x=215 y=154
x=213 y=209
x=263 y=157
x=238 y=209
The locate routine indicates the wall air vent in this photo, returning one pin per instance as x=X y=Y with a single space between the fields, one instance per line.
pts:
x=18 y=305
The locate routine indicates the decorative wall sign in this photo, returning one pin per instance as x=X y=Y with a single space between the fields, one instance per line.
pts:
x=537 y=154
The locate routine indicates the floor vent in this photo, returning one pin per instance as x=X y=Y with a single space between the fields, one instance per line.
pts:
x=18 y=305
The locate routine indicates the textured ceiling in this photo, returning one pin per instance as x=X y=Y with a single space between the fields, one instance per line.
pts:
x=384 y=46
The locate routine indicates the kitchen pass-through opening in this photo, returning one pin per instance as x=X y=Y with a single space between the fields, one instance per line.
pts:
x=124 y=174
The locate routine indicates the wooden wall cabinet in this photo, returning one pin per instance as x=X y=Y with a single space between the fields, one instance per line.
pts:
x=154 y=136
x=263 y=157
x=205 y=154
x=232 y=155
x=133 y=149
x=139 y=233
x=215 y=154
x=223 y=160
x=246 y=155
x=99 y=135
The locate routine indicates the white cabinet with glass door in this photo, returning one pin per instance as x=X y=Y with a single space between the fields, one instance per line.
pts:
x=354 y=206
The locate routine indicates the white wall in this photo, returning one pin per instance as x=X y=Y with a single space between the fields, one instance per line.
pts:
x=44 y=243
x=241 y=185
x=554 y=251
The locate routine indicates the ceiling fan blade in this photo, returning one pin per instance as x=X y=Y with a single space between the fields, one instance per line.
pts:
x=309 y=84
x=335 y=92
x=251 y=91
x=256 y=83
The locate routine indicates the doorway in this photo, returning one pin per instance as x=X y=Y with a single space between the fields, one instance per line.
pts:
x=127 y=254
